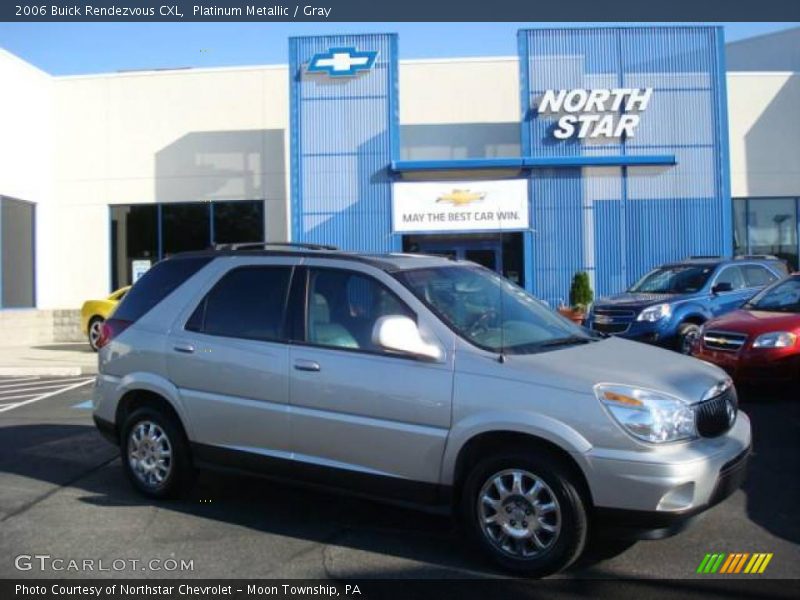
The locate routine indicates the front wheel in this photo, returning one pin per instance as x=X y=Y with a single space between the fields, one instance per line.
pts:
x=688 y=334
x=525 y=511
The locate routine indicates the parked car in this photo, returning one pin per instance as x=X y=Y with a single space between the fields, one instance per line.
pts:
x=668 y=306
x=413 y=378
x=759 y=342
x=95 y=312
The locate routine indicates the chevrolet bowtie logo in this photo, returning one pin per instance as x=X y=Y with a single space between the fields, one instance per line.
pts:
x=342 y=62
x=459 y=197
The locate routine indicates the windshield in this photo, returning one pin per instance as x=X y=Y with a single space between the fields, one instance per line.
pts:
x=489 y=311
x=781 y=297
x=678 y=279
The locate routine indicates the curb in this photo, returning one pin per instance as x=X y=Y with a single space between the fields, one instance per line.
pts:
x=66 y=371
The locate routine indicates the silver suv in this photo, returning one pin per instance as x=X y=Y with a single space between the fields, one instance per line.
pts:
x=413 y=378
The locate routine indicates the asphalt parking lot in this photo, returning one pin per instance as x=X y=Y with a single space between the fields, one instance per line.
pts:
x=63 y=494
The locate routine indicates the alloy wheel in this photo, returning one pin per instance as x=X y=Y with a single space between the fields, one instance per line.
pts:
x=518 y=513
x=150 y=454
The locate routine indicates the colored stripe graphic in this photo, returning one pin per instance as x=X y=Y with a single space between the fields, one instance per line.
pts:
x=722 y=563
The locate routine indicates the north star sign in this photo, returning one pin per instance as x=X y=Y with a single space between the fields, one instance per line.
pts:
x=342 y=62
x=597 y=113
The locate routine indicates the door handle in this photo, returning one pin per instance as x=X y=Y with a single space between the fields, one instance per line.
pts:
x=185 y=348
x=306 y=365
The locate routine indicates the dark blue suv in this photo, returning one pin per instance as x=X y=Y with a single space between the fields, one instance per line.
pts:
x=668 y=305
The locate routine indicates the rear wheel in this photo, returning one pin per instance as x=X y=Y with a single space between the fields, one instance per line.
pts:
x=525 y=512
x=688 y=333
x=155 y=455
x=95 y=330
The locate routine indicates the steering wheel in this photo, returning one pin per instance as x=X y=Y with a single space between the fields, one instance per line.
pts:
x=481 y=324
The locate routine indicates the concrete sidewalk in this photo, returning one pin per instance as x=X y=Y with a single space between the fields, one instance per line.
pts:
x=58 y=359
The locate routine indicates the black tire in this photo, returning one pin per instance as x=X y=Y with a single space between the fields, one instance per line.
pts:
x=687 y=333
x=565 y=546
x=180 y=473
x=92 y=336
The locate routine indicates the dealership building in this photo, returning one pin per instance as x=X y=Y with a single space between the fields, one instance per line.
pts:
x=605 y=150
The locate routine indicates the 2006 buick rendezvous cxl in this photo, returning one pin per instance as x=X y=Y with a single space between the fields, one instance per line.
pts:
x=416 y=378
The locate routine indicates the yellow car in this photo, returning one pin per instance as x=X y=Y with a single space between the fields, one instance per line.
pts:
x=94 y=312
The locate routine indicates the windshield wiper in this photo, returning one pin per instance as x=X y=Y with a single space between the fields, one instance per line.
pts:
x=566 y=341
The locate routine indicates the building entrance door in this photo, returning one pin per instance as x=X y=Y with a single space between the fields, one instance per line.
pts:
x=488 y=253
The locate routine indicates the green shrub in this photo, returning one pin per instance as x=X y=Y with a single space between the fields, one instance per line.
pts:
x=580 y=293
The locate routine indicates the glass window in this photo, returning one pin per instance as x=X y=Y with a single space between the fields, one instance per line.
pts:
x=238 y=222
x=16 y=254
x=739 y=226
x=185 y=227
x=157 y=284
x=343 y=307
x=134 y=237
x=758 y=276
x=772 y=227
x=490 y=311
x=677 y=279
x=248 y=302
x=781 y=297
x=733 y=276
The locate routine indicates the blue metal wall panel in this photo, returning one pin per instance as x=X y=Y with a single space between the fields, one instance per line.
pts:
x=648 y=215
x=344 y=137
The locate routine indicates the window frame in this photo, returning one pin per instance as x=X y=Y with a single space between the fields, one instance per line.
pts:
x=302 y=307
x=283 y=329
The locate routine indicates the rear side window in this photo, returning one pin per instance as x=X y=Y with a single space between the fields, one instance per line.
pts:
x=158 y=283
x=248 y=303
x=732 y=275
x=758 y=276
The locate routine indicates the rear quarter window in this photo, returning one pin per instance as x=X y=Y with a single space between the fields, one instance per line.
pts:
x=155 y=285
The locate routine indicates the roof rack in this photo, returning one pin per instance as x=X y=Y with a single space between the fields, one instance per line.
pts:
x=756 y=257
x=264 y=245
x=702 y=256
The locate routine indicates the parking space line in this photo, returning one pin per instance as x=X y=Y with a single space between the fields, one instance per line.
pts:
x=18 y=396
x=27 y=387
x=47 y=395
x=7 y=383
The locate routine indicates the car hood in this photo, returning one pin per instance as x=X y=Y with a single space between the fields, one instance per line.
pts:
x=634 y=300
x=755 y=322
x=617 y=360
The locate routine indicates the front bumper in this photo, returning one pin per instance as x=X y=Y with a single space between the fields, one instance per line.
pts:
x=661 y=333
x=754 y=365
x=650 y=525
x=663 y=488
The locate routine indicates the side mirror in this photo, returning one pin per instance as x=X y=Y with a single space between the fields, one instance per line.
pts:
x=722 y=287
x=399 y=333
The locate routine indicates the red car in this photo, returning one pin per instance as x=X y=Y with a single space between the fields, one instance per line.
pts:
x=761 y=341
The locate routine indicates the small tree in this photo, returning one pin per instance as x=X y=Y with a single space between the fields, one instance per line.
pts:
x=580 y=293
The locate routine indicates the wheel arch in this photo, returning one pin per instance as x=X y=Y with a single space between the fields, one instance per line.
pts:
x=137 y=398
x=490 y=442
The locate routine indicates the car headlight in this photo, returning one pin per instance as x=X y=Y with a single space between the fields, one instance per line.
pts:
x=655 y=313
x=775 y=339
x=648 y=415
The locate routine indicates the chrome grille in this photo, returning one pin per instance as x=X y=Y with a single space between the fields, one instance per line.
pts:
x=724 y=340
x=611 y=320
x=717 y=415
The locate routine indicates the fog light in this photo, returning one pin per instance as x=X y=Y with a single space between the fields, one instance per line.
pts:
x=677 y=499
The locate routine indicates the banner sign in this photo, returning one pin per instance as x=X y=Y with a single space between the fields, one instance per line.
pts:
x=453 y=206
